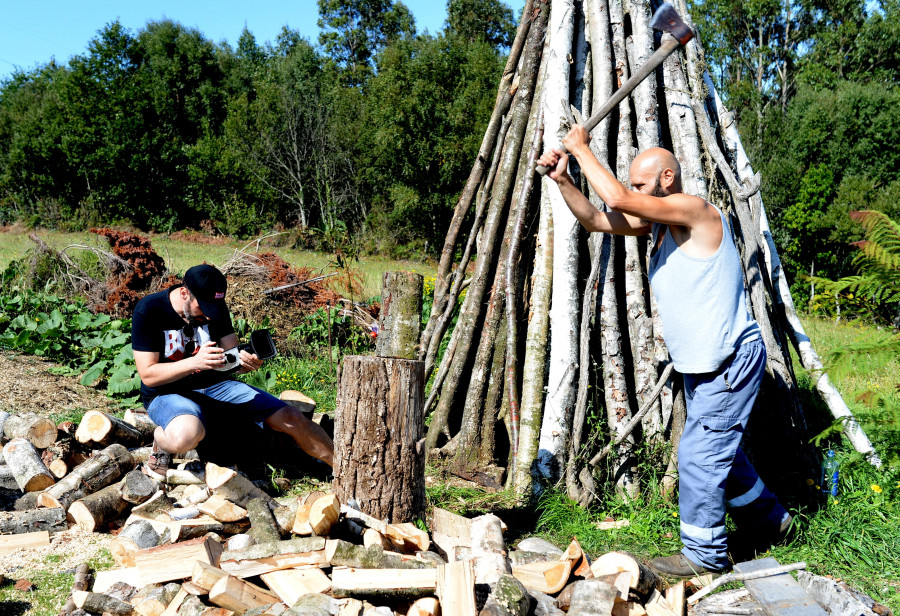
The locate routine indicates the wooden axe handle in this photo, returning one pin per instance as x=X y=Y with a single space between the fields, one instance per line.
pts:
x=667 y=46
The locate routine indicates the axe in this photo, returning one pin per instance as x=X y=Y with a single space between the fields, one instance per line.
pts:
x=676 y=33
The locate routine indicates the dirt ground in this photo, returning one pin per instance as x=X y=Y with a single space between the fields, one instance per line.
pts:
x=27 y=386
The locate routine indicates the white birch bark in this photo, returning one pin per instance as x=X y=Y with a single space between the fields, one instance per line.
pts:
x=637 y=304
x=555 y=429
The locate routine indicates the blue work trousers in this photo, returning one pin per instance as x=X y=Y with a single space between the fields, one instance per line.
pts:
x=713 y=471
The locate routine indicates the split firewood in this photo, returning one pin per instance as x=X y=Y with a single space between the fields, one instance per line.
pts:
x=373 y=537
x=160 y=502
x=222 y=509
x=323 y=514
x=545 y=605
x=175 y=603
x=138 y=487
x=100 y=603
x=238 y=595
x=298 y=400
x=426 y=606
x=185 y=477
x=592 y=598
x=536 y=544
x=508 y=598
x=32 y=520
x=270 y=609
x=191 y=606
x=97 y=510
x=386 y=583
x=205 y=575
x=216 y=611
x=449 y=530
x=262 y=558
x=262 y=523
x=192 y=589
x=643 y=579
x=675 y=598
x=284 y=514
x=104 y=429
x=738 y=577
x=345 y=554
x=193 y=495
x=239 y=542
x=489 y=550
x=177 y=560
x=37 y=430
x=82 y=582
x=233 y=486
x=581 y=566
x=351 y=607
x=548 y=577
x=98 y=471
x=656 y=605
x=139 y=535
x=524 y=557
x=141 y=454
x=629 y=608
x=26 y=466
x=140 y=420
x=291 y=584
x=314 y=604
x=56 y=457
x=300 y=524
x=156 y=602
x=456 y=588
x=411 y=536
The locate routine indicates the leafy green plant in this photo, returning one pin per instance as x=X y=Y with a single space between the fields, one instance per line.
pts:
x=332 y=328
x=97 y=346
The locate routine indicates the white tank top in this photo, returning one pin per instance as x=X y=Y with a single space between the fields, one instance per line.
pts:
x=701 y=301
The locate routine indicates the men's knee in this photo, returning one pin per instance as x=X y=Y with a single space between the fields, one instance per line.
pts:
x=183 y=434
x=287 y=418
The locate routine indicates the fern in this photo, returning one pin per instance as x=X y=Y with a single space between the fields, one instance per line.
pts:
x=878 y=261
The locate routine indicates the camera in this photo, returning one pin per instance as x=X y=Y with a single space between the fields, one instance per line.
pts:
x=261 y=345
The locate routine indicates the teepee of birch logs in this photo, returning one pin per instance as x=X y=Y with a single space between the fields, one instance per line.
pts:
x=545 y=344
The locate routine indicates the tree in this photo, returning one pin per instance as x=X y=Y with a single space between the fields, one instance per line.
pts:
x=354 y=31
x=490 y=21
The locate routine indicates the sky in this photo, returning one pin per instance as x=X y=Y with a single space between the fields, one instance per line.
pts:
x=34 y=31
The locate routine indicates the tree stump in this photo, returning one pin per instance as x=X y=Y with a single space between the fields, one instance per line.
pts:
x=400 y=319
x=379 y=432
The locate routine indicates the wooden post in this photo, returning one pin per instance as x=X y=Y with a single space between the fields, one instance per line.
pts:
x=400 y=319
x=379 y=431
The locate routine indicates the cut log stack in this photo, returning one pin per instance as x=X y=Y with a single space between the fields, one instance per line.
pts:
x=463 y=567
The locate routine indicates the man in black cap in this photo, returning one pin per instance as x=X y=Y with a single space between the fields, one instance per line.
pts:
x=180 y=337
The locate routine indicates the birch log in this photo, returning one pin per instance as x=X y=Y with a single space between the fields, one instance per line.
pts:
x=563 y=356
x=25 y=463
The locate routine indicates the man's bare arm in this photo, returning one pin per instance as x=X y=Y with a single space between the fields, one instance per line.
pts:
x=589 y=216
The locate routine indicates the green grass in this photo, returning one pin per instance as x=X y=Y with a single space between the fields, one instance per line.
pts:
x=51 y=587
x=180 y=254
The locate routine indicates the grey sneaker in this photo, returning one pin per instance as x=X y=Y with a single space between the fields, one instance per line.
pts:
x=158 y=463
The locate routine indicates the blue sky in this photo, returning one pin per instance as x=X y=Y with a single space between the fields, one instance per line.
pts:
x=34 y=31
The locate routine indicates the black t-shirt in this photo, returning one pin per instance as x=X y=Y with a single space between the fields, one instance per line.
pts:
x=157 y=328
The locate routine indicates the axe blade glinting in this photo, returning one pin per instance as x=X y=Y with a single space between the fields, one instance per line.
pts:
x=666 y=18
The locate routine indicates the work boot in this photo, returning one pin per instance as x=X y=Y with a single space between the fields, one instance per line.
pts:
x=158 y=463
x=679 y=566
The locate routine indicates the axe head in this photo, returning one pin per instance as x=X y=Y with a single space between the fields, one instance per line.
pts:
x=666 y=18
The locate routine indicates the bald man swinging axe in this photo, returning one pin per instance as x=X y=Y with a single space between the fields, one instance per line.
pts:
x=696 y=277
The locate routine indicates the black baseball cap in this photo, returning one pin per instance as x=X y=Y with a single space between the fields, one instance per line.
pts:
x=208 y=285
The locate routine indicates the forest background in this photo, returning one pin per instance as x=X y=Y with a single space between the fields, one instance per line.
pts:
x=364 y=139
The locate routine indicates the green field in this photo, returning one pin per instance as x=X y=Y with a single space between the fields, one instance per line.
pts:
x=180 y=254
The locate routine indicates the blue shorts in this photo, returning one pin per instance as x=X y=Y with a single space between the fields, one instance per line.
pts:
x=227 y=400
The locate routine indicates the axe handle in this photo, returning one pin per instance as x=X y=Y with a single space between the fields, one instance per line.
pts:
x=667 y=46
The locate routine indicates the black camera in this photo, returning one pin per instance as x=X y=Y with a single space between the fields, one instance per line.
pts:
x=261 y=345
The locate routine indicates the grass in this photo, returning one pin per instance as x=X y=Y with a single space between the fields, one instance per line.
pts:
x=181 y=253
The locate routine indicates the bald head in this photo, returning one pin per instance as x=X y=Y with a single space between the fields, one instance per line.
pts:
x=660 y=165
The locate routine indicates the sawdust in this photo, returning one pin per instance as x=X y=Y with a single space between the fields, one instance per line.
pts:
x=67 y=550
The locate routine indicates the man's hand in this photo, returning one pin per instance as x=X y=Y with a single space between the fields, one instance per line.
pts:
x=577 y=140
x=557 y=162
x=250 y=362
x=209 y=356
